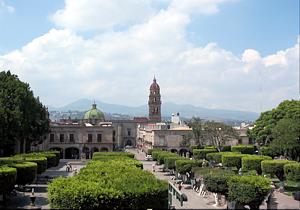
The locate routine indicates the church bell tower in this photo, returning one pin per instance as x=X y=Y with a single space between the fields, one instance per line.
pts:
x=154 y=102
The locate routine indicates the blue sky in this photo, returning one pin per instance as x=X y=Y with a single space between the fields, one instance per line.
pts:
x=230 y=54
x=265 y=25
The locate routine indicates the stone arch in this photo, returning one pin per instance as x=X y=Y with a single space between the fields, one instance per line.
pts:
x=93 y=150
x=71 y=153
x=128 y=143
x=174 y=150
x=103 y=149
x=183 y=152
x=61 y=150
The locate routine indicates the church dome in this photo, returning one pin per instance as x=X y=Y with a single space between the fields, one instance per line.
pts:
x=154 y=86
x=94 y=114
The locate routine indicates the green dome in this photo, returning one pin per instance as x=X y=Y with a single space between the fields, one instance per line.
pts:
x=94 y=113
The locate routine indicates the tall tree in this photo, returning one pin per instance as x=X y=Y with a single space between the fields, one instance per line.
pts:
x=22 y=116
x=218 y=133
x=286 y=135
x=262 y=132
x=197 y=128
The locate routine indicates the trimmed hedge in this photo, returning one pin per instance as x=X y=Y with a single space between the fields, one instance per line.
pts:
x=128 y=160
x=109 y=185
x=8 y=178
x=253 y=162
x=41 y=161
x=149 y=152
x=183 y=166
x=170 y=161
x=226 y=148
x=267 y=151
x=161 y=157
x=201 y=153
x=196 y=147
x=203 y=171
x=292 y=171
x=232 y=160
x=244 y=149
x=275 y=167
x=216 y=156
x=130 y=155
x=248 y=190
x=26 y=172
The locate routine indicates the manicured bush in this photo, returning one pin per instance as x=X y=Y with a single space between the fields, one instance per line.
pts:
x=210 y=147
x=113 y=154
x=292 y=171
x=216 y=156
x=155 y=154
x=232 y=160
x=149 y=152
x=292 y=186
x=170 y=161
x=183 y=166
x=217 y=182
x=53 y=158
x=244 y=149
x=26 y=172
x=201 y=153
x=161 y=157
x=196 y=147
x=109 y=185
x=203 y=171
x=248 y=190
x=41 y=161
x=8 y=178
x=253 y=162
x=275 y=167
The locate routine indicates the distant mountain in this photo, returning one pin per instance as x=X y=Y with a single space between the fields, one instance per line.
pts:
x=185 y=110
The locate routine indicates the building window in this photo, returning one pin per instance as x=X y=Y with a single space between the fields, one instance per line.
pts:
x=71 y=137
x=61 y=137
x=128 y=132
x=90 y=137
x=114 y=132
x=99 y=137
x=51 y=137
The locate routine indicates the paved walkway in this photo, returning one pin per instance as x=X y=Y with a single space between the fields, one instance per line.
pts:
x=279 y=200
x=22 y=199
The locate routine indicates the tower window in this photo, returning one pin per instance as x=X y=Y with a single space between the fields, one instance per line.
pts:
x=61 y=137
x=90 y=137
x=71 y=137
x=99 y=137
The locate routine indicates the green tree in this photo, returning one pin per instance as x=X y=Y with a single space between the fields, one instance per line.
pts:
x=197 y=129
x=186 y=140
x=22 y=116
x=286 y=138
x=218 y=133
x=262 y=132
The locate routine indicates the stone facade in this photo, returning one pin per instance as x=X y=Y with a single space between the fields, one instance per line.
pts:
x=154 y=102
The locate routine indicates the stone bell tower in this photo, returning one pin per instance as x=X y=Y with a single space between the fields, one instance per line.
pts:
x=154 y=102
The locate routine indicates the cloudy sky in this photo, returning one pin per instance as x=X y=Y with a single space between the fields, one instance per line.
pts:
x=230 y=54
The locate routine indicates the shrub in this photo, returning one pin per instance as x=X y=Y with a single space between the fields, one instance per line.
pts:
x=201 y=153
x=109 y=185
x=232 y=160
x=26 y=172
x=155 y=154
x=244 y=149
x=248 y=190
x=274 y=167
x=203 y=171
x=161 y=157
x=54 y=160
x=253 y=162
x=196 y=147
x=183 y=166
x=292 y=171
x=113 y=154
x=210 y=147
x=170 y=161
x=149 y=152
x=7 y=179
x=217 y=182
x=216 y=156
x=41 y=161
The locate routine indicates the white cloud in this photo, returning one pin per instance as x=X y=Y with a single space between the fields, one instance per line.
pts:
x=5 y=7
x=101 y=14
x=118 y=67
